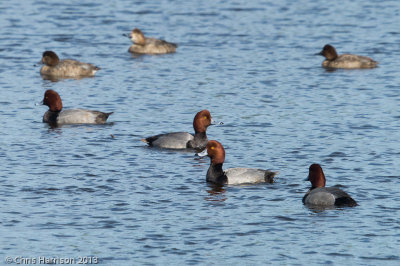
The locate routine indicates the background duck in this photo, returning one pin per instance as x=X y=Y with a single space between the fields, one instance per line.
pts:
x=67 y=68
x=147 y=45
x=333 y=60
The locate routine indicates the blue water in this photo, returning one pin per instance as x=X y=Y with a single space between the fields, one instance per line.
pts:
x=76 y=191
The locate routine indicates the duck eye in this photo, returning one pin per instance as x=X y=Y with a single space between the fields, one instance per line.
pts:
x=212 y=147
x=204 y=117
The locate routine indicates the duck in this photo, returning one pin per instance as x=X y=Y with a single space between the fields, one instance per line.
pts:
x=232 y=176
x=56 y=116
x=54 y=68
x=185 y=140
x=147 y=45
x=319 y=195
x=349 y=61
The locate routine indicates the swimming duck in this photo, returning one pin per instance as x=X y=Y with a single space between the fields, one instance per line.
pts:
x=147 y=45
x=349 y=61
x=232 y=176
x=320 y=195
x=72 y=116
x=68 y=68
x=184 y=140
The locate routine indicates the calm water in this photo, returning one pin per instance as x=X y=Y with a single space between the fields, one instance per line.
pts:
x=76 y=191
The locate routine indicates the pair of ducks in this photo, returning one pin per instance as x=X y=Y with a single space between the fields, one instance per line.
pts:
x=68 y=68
x=318 y=195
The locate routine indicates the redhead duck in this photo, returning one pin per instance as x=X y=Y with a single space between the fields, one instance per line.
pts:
x=319 y=195
x=55 y=68
x=146 y=45
x=72 y=116
x=333 y=60
x=232 y=176
x=184 y=140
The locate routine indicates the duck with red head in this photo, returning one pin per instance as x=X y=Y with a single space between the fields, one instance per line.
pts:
x=319 y=195
x=184 y=140
x=56 y=116
x=54 y=68
x=232 y=176
x=349 y=61
x=146 y=45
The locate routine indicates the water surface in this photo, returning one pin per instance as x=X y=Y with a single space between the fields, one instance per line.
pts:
x=98 y=191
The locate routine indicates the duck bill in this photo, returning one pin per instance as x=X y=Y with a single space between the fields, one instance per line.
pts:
x=203 y=153
x=126 y=35
x=39 y=103
x=38 y=63
x=320 y=53
x=213 y=122
x=307 y=179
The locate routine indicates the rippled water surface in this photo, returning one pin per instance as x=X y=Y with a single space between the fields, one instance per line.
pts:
x=98 y=191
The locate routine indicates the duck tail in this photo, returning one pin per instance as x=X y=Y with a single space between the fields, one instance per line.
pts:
x=269 y=176
x=345 y=201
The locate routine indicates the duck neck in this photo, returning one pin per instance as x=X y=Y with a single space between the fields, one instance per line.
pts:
x=198 y=136
x=216 y=175
x=51 y=117
x=199 y=141
x=141 y=40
